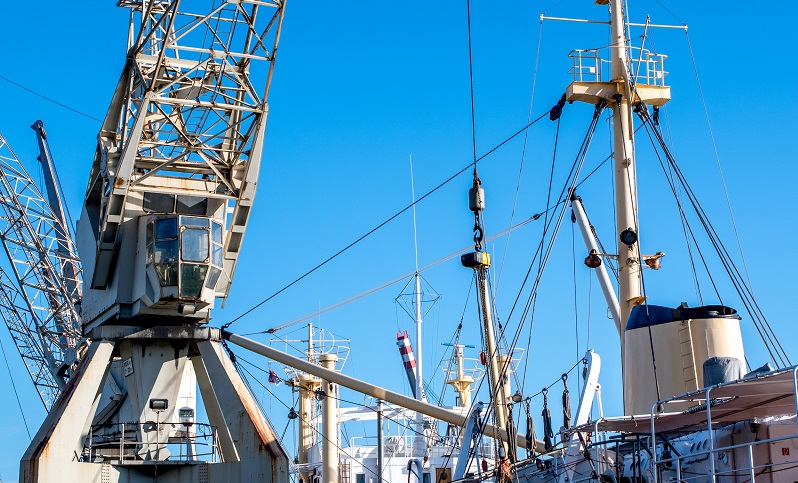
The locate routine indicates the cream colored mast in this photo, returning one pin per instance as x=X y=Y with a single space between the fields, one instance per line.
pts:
x=621 y=93
x=625 y=171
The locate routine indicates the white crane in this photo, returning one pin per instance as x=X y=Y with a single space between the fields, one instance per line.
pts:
x=40 y=307
x=168 y=200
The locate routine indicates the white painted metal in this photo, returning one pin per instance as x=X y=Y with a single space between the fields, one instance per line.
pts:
x=41 y=311
x=73 y=446
x=576 y=449
x=467 y=445
x=70 y=267
x=601 y=272
x=188 y=118
x=51 y=454
x=420 y=440
x=330 y=442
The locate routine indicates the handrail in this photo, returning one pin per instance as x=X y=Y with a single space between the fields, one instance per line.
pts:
x=178 y=436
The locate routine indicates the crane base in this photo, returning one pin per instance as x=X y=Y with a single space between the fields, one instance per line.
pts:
x=243 y=448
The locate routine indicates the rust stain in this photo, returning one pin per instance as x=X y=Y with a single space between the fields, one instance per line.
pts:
x=264 y=432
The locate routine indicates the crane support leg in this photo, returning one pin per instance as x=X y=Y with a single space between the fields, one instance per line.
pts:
x=51 y=454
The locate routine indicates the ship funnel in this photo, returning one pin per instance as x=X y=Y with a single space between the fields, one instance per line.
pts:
x=666 y=351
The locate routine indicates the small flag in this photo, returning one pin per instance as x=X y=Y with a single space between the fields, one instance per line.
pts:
x=274 y=378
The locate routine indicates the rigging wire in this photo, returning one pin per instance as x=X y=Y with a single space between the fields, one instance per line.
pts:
x=407 y=427
x=523 y=154
x=678 y=197
x=543 y=236
x=669 y=11
x=394 y=281
x=471 y=84
x=49 y=99
x=668 y=171
x=717 y=157
x=241 y=368
x=391 y=218
x=736 y=278
x=569 y=185
x=573 y=175
x=14 y=387
x=576 y=292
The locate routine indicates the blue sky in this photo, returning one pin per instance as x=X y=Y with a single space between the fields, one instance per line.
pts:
x=360 y=88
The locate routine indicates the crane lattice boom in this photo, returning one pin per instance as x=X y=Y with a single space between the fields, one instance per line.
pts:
x=41 y=313
x=185 y=119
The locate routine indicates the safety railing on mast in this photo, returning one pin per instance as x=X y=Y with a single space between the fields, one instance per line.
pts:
x=645 y=67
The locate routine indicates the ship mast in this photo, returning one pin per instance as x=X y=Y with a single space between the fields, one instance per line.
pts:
x=625 y=171
x=622 y=92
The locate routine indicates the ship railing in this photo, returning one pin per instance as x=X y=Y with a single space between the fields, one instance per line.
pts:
x=472 y=367
x=392 y=445
x=777 y=390
x=153 y=442
x=592 y=65
x=752 y=470
x=402 y=446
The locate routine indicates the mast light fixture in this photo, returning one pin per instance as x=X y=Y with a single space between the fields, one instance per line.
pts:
x=628 y=237
x=593 y=260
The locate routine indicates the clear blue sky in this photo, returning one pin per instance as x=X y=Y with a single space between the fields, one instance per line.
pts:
x=361 y=86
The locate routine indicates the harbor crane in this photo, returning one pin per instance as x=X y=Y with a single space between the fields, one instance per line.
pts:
x=166 y=207
x=40 y=306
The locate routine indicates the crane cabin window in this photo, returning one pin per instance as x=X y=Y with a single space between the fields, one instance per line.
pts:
x=216 y=255
x=194 y=245
x=162 y=249
x=192 y=276
x=187 y=252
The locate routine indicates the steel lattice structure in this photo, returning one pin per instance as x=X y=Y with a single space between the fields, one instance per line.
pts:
x=41 y=313
x=185 y=117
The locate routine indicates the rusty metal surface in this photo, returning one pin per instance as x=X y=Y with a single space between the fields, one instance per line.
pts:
x=61 y=435
x=115 y=332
